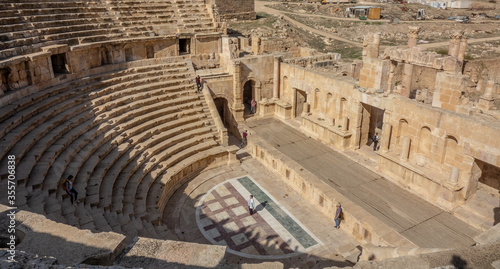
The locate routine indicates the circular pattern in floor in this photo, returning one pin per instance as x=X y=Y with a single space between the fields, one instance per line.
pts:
x=271 y=233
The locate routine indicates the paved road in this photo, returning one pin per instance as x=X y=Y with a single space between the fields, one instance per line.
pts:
x=260 y=7
x=418 y=220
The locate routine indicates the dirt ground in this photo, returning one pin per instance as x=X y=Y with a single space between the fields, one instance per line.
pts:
x=330 y=20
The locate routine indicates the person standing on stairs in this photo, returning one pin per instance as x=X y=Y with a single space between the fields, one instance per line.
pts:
x=198 y=83
x=73 y=194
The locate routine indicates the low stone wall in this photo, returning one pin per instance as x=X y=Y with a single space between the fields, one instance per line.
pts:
x=439 y=193
x=364 y=227
x=68 y=244
x=328 y=134
x=171 y=182
x=155 y=253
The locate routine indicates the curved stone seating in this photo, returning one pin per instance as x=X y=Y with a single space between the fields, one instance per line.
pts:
x=117 y=133
x=28 y=25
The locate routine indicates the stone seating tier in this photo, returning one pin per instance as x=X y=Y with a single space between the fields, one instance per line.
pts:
x=117 y=132
x=29 y=25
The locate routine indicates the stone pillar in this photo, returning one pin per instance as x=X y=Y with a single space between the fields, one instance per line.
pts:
x=406 y=82
x=237 y=82
x=392 y=69
x=386 y=134
x=256 y=45
x=276 y=80
x=305 y=109
x=413 y=36
x=454 y=43
x=487 y=101
x=238 y=107
x=454 y=176
x=345 y=124
x=375 y=46
x=462 y=48
x=405 y=149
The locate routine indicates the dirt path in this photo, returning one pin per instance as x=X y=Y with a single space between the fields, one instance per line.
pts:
x=260 y=7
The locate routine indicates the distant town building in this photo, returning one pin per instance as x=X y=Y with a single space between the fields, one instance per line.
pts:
x=444 y=4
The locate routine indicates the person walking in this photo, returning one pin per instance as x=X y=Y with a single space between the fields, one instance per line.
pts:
x=198 y=83
x=244 y=139
x=73 y=194
x=253 y=103
x=337 y=216
x=375 y=141
x=251 y=206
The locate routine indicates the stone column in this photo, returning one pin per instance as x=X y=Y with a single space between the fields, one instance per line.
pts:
x=462 y=48
x=390 y=79
x=406 y=82
x=256 y=45
x=237 y=82
x=386 y=134
x=487 y=101
x=413 y=36
x=454 y=43
x=238 y=107
x=305 y=109
x=405 y=149
x=276 y=80
x=375 y=46
x=345 y=123
x=454 y=176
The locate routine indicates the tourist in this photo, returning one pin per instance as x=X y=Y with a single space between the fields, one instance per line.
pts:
x=73 y=194
x=252 y=106
x=337 y=216
x=198 y=83
x=244 y=140
x=251 y=206
x=375 y=141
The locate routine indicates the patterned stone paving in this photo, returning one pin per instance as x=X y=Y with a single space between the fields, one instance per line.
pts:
x=272 y=232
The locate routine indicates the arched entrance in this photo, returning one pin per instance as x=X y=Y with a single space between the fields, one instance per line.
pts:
x=300 y=99
x=223 y=109
x=4 y=79
x=248 y=95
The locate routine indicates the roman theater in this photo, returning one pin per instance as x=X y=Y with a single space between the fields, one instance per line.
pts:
x=105 y=91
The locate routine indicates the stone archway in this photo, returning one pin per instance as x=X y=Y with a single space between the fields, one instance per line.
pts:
x=300 y=100
x=248 y=95
x=223 y=108
x=4 y=79
x=129 y=52
x=150 y=50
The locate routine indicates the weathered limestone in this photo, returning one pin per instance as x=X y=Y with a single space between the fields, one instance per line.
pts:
x=448 y=90
x=276 y=79
x=69 y=245
x=154 y=253
x=486 y=101
x=462 y=48
x=454 y=47
x=413 y=36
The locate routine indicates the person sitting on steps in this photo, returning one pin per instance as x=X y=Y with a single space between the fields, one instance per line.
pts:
x=73 y=194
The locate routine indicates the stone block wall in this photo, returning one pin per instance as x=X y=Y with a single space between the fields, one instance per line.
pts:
x=374 y=74
x=448 y=90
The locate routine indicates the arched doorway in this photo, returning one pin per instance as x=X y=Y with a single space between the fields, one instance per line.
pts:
x=300 y=100
x=223 y=109
x=4 y=79
x=129 y=53
x=150 y=51
x=248 y=95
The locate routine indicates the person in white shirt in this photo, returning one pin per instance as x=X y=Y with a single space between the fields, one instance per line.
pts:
x=251 y=206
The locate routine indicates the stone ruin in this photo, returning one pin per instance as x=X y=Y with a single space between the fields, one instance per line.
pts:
x=104 y=91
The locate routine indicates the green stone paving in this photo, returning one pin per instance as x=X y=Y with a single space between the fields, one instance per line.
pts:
x=281 y=216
